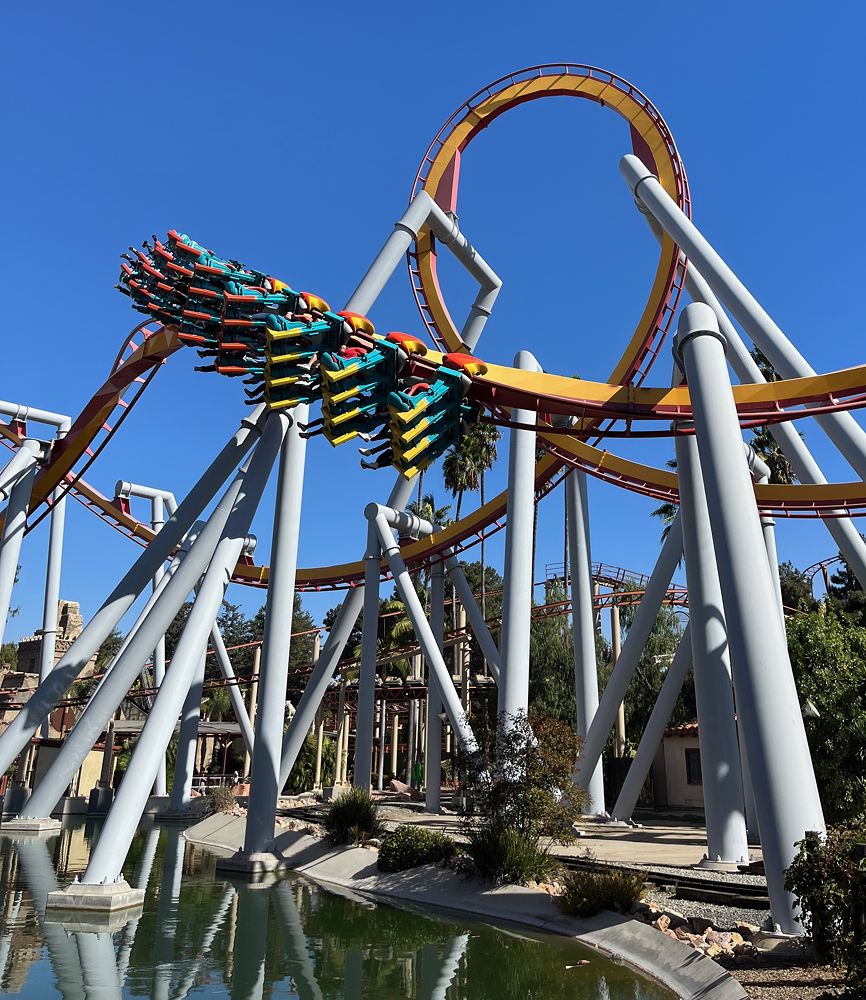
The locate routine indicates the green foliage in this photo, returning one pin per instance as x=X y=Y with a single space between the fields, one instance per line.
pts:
x=220 y=799
x=796 y=589
x=828 y=658
x=9 y=655
x=846 y=595
x=303 y=774
x=521 y=794
x=409 y=846
x=353 y=818
x=505 y=855
x=551 y=663
x=828 y=880
x=585 y=893
x=108 y=650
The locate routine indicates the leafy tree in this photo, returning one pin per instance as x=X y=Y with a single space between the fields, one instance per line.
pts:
x=846 y=595
x=9 y=655
x=175 y=630
x=667 y=511
x=796 y=588
x=551 y=664
x=828 y=658
x=108 y=650
x=354 y=640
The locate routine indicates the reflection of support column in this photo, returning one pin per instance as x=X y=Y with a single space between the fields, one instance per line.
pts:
x=24 y=725
x=324 y=670
x=113 y=844
x=720 y=753
x=450 y=964
x=145 y=865
x=842 y=429
x=98 y=966
x=215 y=925
x=248 y=977
x=300 y=965
x=517 y=593
x=187 y=738
x=426 y=640
x=785 y=791
x=615 y=650
x=654 y=730
x=369 y=648
x=583 y=621
x=14 y=523
x=433 y=750
x=638 y=633
x=265 y=784
x=37 y=874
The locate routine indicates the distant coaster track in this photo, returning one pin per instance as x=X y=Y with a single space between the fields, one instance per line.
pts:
x=598 y=407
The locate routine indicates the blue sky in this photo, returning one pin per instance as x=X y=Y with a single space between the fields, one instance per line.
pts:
x=288 y=136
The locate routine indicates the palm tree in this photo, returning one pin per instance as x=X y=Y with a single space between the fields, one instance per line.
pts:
x=464 y=468
x=667 y=511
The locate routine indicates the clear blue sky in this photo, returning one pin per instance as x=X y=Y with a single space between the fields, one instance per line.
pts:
x=287 y=135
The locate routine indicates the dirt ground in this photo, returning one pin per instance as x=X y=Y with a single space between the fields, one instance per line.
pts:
x=767 y=979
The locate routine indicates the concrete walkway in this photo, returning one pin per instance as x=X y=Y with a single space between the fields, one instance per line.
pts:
x=688 y=973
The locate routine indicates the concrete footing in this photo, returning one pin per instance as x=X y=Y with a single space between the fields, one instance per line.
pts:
x=252 y=865
x=99 y=899
x=32 y=826
x=721 y=866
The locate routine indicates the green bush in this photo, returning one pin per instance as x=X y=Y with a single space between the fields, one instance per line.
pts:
x=409 y=846
x=504 y=854
x=828 y=880
x=353 y=818
x=220 y=799
x=585 y=893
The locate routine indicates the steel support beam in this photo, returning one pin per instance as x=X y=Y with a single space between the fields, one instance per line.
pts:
x=473 y=613
x=115 y=606
x=786 y=794
x=433 y=748
x=517 y=592
x=583 y=622
x=363 y=776
x=265 y=784
x=14 y=523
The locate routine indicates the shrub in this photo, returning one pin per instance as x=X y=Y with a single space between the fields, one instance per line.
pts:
x=504 y=854
x=353 y=818
x=585 y=893
x=409 y=846
x=220 y=799
x=828 y=880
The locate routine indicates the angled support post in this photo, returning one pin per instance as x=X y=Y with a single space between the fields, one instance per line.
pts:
x=724 y=804
x=433 y=748
x=583 y=622
x=473 y=613
x=786 y=794
x=426 y=639
x=632 y=650
x=115 y=606
x=110 y=851
x=842 y=429
x=119 y=679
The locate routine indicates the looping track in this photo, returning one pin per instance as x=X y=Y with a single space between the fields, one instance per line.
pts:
x=599 y=407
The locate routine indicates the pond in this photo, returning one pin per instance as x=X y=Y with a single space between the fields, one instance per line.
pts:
x=203 y=935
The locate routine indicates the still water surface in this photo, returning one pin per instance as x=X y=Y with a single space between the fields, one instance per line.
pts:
x=203 y=935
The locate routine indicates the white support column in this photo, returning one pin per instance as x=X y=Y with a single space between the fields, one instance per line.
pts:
x=433 y=749
x=363 y=776
x=785 y=790
x=517 y=593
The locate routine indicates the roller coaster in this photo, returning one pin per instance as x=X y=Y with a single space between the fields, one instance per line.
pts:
x=408 y=398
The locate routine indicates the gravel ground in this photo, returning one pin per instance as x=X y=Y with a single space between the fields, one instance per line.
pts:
x=723 y=917
x=789 y=981
x=707 y=874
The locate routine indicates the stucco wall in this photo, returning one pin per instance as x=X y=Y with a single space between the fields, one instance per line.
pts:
x=680 y=792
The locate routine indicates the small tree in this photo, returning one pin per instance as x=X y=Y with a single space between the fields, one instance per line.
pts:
x=521 y=798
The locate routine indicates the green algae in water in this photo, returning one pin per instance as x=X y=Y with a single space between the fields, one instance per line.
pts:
x=200 y=935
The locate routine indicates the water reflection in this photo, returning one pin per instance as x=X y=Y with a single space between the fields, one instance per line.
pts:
x=199 y=935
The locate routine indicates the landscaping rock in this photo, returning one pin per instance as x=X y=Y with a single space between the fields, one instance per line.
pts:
x=662 y=922
x=700 y=925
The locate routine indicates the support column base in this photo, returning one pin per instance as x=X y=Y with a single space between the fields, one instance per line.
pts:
x=721 y=866
x=31 y=826
x=255 y=865
x=102 y=899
